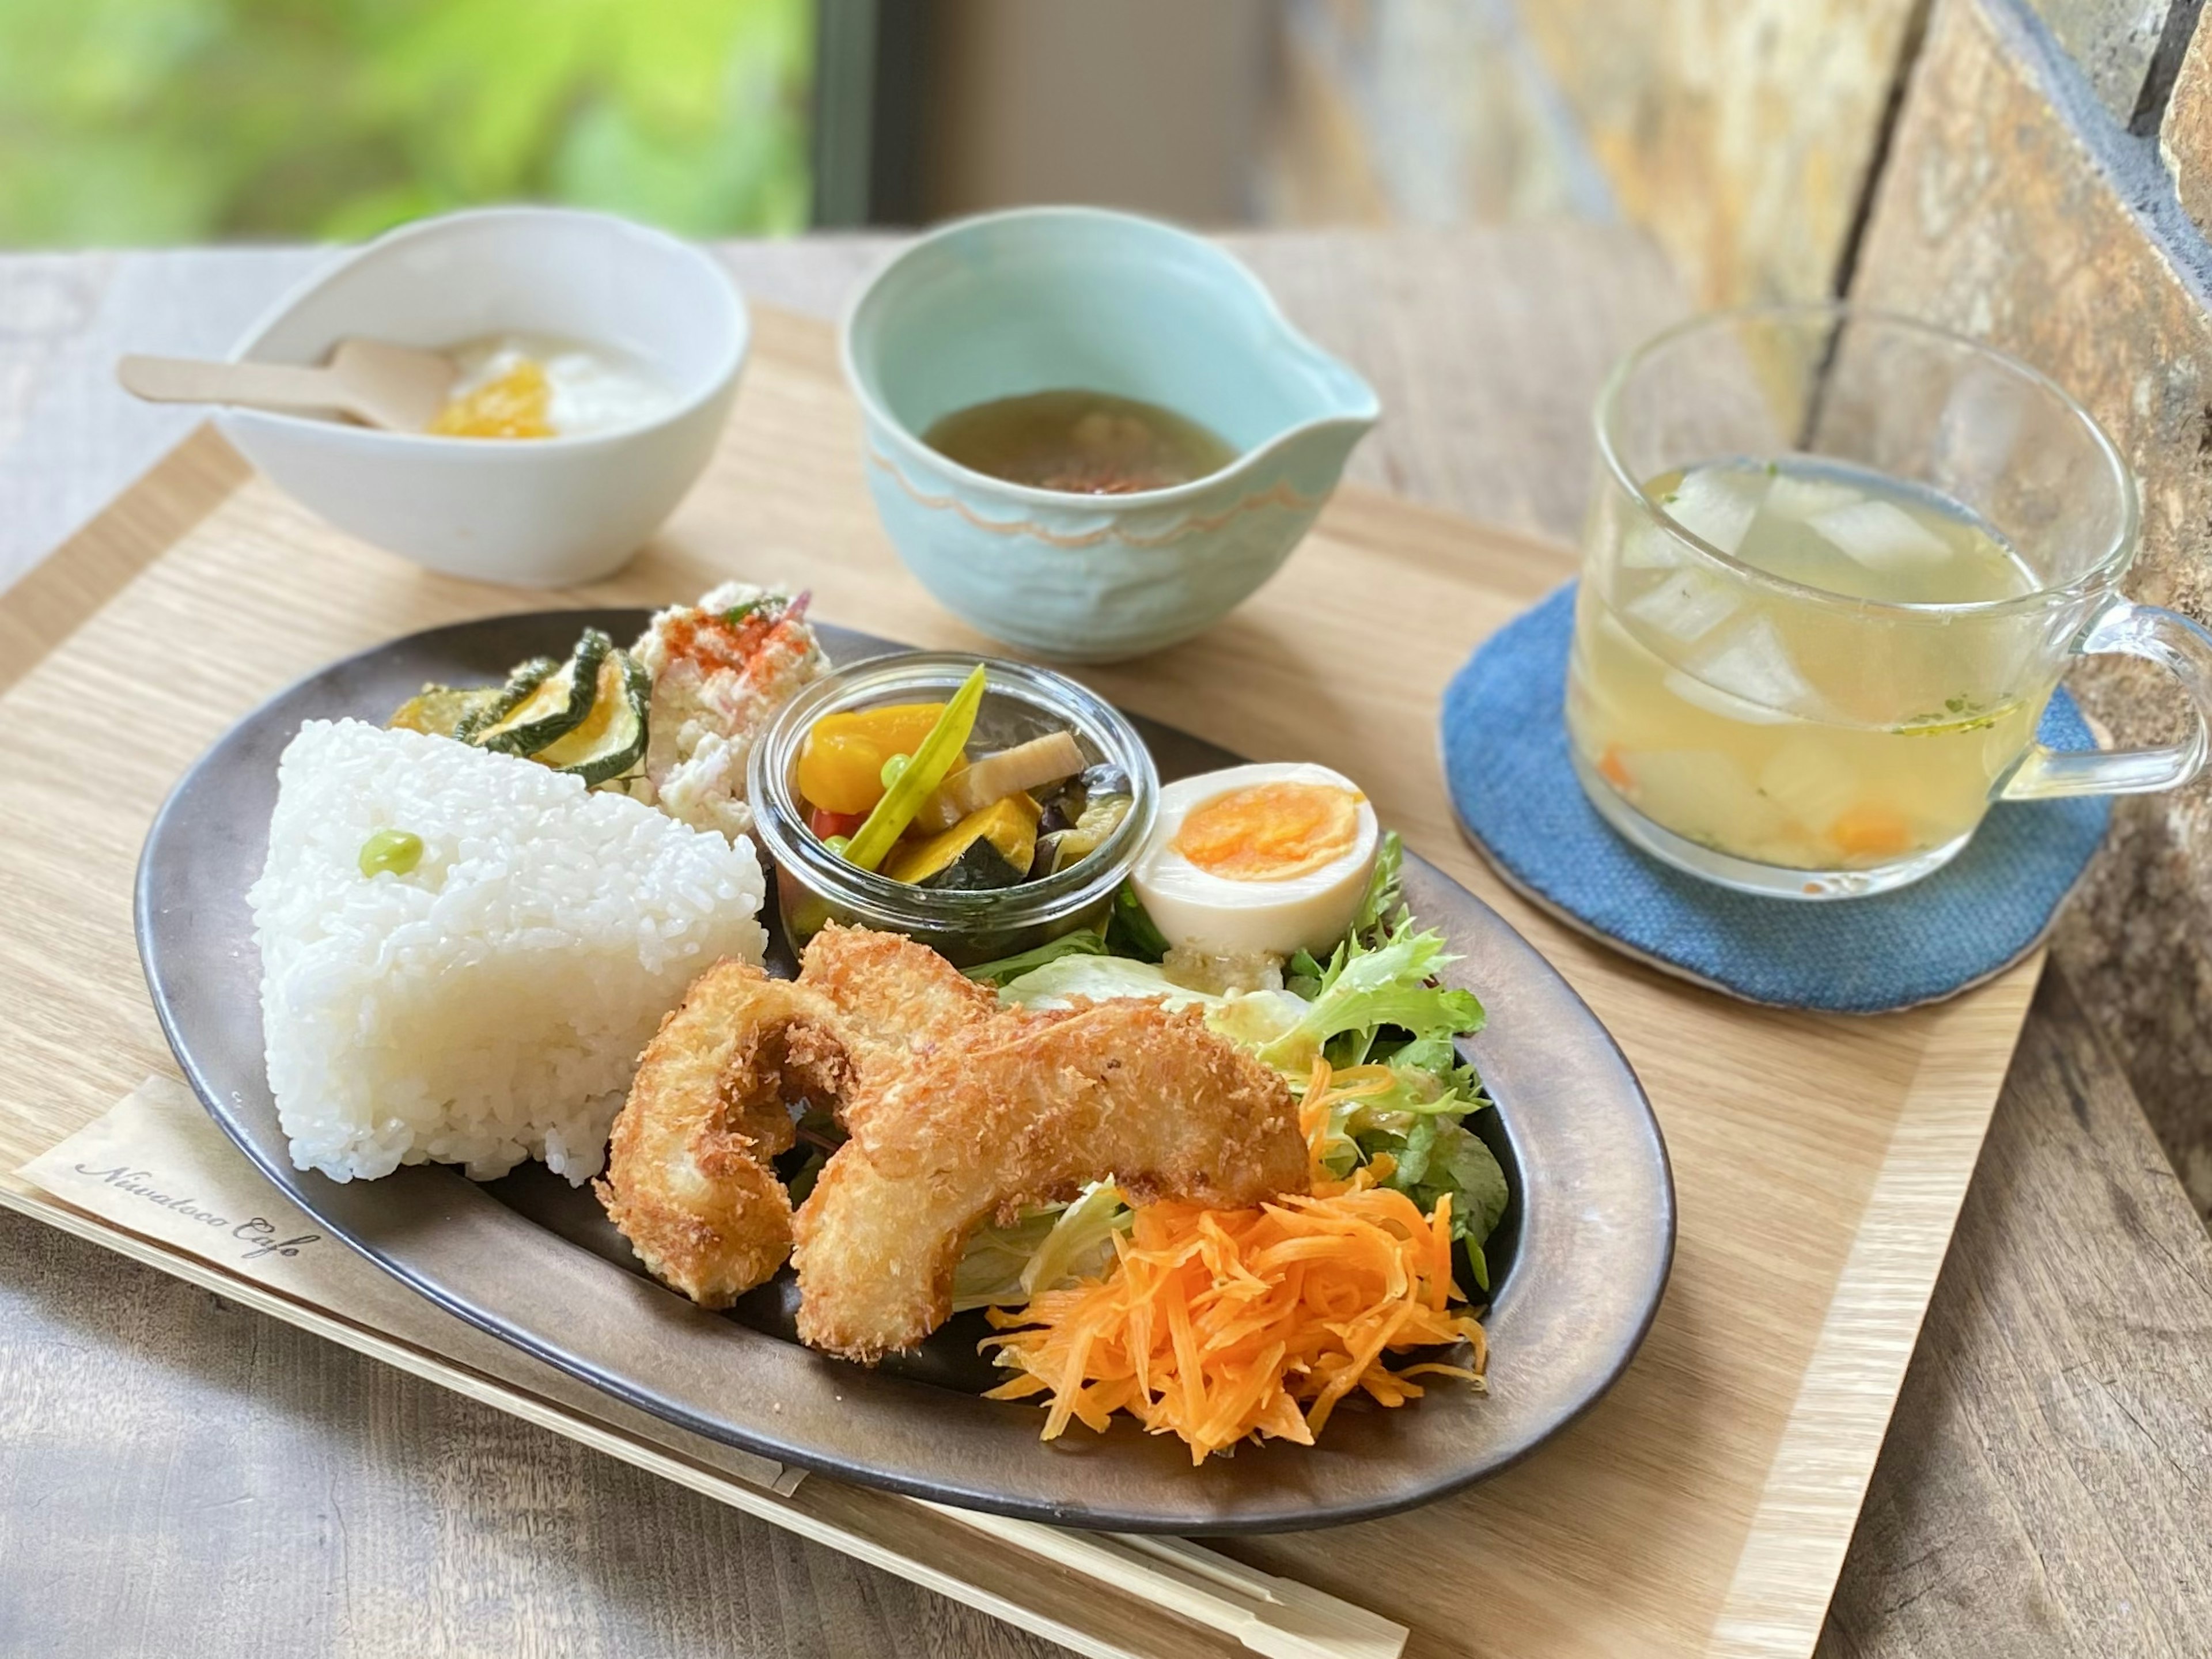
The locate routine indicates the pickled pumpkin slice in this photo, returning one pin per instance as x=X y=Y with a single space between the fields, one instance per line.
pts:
x=993 y=847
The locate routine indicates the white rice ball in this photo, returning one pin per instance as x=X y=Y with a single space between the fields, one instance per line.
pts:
x=489 y=1005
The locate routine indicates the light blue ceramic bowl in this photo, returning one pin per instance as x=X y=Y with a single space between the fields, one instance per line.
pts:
x=1045 y=298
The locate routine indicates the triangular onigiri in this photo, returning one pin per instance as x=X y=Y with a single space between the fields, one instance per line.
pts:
x=486 y=1006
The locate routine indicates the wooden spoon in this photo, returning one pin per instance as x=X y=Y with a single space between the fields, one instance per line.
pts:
x=399 y=388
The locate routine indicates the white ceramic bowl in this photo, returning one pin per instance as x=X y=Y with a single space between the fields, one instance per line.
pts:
x=541 y=513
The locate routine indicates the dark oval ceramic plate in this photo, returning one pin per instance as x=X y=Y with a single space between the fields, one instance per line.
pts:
x=1579 y=1261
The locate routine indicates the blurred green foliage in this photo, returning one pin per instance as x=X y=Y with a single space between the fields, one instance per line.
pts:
x=154 y=121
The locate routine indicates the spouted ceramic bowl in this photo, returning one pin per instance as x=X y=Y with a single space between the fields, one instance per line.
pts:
x=1052 y=299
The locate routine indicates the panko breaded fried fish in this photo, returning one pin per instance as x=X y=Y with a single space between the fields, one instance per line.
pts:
x=895 y=1001
x=689 y=1180
x=1026 y=1108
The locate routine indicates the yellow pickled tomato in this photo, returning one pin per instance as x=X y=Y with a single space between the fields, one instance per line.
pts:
x=841 y=764
x=518 y=405
x=1271 y=831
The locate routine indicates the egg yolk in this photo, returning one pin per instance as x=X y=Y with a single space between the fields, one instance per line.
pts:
x=518 y=405
x=1271 y=831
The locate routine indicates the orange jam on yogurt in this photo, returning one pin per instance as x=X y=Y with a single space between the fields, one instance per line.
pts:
x=517 y=404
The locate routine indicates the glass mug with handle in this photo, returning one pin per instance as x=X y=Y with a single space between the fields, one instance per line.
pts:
x=1835 y=565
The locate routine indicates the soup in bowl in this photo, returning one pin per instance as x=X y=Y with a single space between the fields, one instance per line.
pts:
x=1091 y=434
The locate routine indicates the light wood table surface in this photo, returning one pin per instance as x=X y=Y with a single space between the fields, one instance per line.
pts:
x=181 y=1476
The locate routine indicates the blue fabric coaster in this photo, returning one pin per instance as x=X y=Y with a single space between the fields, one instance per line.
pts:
x=1505 y=761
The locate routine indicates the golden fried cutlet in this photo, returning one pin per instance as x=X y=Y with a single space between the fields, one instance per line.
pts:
x=687 y=1178
x=890 y=1000
x=1026 y=1108
x=896 y=999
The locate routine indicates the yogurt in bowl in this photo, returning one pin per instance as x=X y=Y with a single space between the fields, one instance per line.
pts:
x=567 y=507
x=532 y=386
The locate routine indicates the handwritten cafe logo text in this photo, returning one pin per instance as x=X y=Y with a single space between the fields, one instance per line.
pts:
x=259 y=1234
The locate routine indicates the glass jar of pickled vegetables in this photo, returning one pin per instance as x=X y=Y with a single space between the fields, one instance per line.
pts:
x=1021 y=707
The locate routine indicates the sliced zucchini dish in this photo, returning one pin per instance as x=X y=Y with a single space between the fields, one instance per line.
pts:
x=587 y=715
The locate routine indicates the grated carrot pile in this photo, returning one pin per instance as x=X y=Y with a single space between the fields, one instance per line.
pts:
x=1219 y=1324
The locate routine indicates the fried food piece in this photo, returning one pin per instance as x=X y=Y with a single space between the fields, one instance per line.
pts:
x=896 y=999
x=687 y=1179
x=1026 y=1108
x=891 y=1000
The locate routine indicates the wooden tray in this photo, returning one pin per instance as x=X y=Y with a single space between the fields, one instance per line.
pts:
x=1703 y=1507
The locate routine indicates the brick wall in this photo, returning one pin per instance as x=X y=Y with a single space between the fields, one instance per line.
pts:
x=2036 y=172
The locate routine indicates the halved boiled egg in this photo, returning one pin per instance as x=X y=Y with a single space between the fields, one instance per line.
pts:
x=1272 y=857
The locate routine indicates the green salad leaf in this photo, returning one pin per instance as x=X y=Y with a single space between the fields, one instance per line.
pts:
x=1384 y=903
x=1130 y=929
x=1078 y=974
x=1469 y=1170
x=1354 y=1000
x=1364 y=989
x=1437 y=1155
x=1081 y=943
x=1049 y=1247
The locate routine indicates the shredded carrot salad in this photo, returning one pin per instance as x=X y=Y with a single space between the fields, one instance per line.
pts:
x=1218 y=1325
